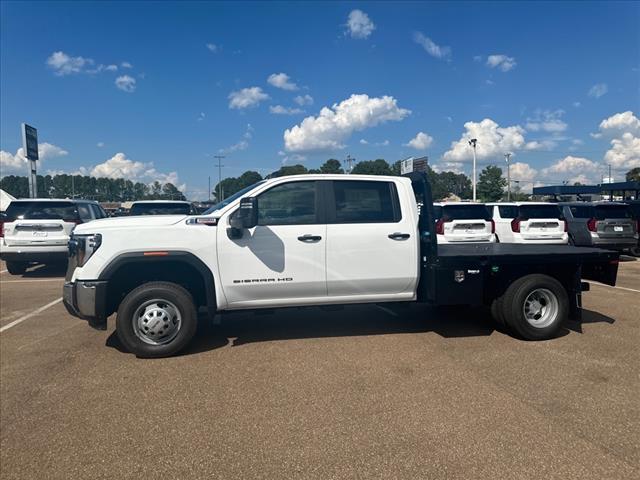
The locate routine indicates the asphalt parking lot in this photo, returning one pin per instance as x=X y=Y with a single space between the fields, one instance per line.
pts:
x=363 y=392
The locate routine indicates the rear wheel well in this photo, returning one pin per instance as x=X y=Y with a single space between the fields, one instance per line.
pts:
x=132 y=274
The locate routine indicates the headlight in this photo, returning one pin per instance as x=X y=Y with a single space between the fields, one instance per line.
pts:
x=83 y=246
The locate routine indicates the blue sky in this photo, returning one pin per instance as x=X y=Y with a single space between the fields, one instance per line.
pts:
x=154 y=90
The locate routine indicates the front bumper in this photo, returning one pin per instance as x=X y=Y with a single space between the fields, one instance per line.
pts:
x=87 y=300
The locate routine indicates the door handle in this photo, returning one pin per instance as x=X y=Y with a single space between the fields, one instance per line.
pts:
x=399 y=236
x=309 y=238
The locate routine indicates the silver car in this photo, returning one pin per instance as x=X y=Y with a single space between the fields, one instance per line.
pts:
x=601 y=224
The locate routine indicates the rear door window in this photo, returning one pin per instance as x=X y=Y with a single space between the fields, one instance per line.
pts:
x=539 y=211
x=365 y=202
x=35 y=210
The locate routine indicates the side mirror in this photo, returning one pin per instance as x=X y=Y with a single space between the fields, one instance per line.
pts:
x=247 y=215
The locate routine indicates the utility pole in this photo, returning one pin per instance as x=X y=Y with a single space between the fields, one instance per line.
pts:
x=348 y=162
x=220 y=192
x=610 y=174
x=473 y=142
x=73 y=186
x=507 y=157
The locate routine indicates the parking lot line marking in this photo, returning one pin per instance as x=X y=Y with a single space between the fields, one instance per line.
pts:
x=31 y=281
x=621 y=288
x=29 y=315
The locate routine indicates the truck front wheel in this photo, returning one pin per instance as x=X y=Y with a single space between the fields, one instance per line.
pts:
x=157 y=319
x=535 y=307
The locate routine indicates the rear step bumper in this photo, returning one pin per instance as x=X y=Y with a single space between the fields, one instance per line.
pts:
x=87 y=300
x=24 y=255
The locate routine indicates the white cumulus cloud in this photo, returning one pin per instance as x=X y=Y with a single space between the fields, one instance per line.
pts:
x=63 y=64
x=247 y=98
x=281 y=80
x=501 y=62
x=119 y=166
x=624 y=127
x=280 y=110
x=431 y=47
x=624 y=152
x=334 y=125
x=572 y=169
x=17 y=163
x=212 y=47
x=421 y=141
x=598 y=90
x=493 y=141
x=625 y=122
x=126 y=83
x=547 y=121
x=303 y=100
x=359 y=25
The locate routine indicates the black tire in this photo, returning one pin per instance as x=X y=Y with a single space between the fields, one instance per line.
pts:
x=164 y=291
x=497 y=311
x=17 y=268
x=513 y=305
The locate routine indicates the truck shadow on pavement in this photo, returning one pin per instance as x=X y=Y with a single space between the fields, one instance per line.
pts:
x=241 y=328
x=45 y=271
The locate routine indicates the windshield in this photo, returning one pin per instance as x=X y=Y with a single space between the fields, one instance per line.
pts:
x=160 y=209
x=463 y=212
x=42 y=211
x=233 y=197
x=540 y=211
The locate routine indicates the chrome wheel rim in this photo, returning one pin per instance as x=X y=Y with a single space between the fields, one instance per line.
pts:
x=157 y=321
x=541 y=308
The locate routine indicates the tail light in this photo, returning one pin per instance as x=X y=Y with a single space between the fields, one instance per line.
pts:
x=1 y=229
x=440 y=227
x=493 y=226
x=591 y=225
x=515 y=225
x=77 y=221
x=566 y=227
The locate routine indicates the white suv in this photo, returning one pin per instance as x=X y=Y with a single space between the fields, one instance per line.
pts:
x=529 y=222
x=458 y=222
x=37 y=230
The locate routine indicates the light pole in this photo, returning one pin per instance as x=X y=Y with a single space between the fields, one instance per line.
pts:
x=473 y=142
x=507 y=157
x=220 y=192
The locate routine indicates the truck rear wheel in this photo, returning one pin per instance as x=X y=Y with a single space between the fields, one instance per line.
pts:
x=157 y=319
x=535 y=307
x=17 y=268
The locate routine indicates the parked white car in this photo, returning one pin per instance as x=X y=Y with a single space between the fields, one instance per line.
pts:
x=463 y=222
x=38 y=229
x=529 y=222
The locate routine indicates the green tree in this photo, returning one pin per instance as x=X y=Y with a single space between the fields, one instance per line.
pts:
x=491 y=184
x=290 y=170
x=331 y=166
x=372 y=167
x=633 y=175
x=170 y=192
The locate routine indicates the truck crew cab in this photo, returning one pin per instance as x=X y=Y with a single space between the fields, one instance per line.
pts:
x=312 y=240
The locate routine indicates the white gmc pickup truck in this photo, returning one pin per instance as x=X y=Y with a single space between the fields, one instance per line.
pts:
x=312 y=240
